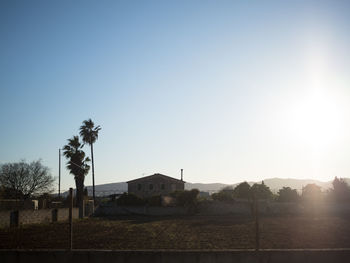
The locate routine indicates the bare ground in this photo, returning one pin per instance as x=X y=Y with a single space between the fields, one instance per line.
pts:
x=190 y=232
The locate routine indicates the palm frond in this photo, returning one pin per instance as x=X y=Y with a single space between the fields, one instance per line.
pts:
x=88 y=132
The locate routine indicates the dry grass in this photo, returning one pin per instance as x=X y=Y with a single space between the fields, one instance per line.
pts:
x=193 y=232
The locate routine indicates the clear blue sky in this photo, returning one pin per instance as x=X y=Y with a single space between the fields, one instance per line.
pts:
x=227 y=90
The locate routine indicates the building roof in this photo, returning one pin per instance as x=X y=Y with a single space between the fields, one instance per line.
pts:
x=155 y=175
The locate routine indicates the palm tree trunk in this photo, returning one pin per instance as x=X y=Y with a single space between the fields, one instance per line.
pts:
x=79 y=182
x=93 y=172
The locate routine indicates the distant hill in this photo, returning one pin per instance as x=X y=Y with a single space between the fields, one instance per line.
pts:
x=274 y=183
x=106 y=189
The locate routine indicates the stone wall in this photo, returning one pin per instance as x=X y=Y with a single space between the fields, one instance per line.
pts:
x=36 y=216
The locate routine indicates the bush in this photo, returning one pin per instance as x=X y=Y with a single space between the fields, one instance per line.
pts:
x=242 y=191
x=155 y=200
x=9 y=193
x=340 y=191
x=185 y=197
x=66 y=201
x=311 y=192
x=130 y=200
x=261 y=191
x=224 y=195
x=287 y=194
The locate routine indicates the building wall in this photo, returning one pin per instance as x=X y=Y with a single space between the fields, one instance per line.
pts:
x=154 y=186
x=36 y=216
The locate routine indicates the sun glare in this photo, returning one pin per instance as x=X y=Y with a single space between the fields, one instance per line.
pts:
x=316 y=117
x=317 y=120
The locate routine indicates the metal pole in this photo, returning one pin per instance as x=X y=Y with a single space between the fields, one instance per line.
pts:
x=59 y=173
x=93 y=173
x=70 y=218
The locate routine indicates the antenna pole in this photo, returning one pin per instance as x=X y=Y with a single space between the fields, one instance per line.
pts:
x=59 y=173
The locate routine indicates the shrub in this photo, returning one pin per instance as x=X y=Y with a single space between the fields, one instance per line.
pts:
x=287 y=194
x=185 y=197
x=130 y=200
x=242 y=191
x=261 y=191
x=155 y=200
x=224 y=195
x=311 y=192
x=340 y=191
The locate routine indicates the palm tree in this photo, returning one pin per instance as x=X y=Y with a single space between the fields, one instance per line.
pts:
x=89 y=134
x=77 y=165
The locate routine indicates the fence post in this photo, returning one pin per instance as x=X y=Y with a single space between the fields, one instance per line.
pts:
x=70 y=218
x=257 y=234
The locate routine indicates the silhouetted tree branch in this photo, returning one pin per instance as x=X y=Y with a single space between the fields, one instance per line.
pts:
x=25 y=179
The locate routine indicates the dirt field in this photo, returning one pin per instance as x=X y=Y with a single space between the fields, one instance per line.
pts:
x=195 y=232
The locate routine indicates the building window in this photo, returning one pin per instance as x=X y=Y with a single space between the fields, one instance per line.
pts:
x=162 y=186
x=150 y=186
x=139 y=187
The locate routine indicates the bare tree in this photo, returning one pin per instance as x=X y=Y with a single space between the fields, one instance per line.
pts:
x=25 y=179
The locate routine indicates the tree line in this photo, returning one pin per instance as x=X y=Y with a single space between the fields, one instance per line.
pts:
x=311 y=192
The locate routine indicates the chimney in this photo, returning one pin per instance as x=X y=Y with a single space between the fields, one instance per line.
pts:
x=182 y=170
